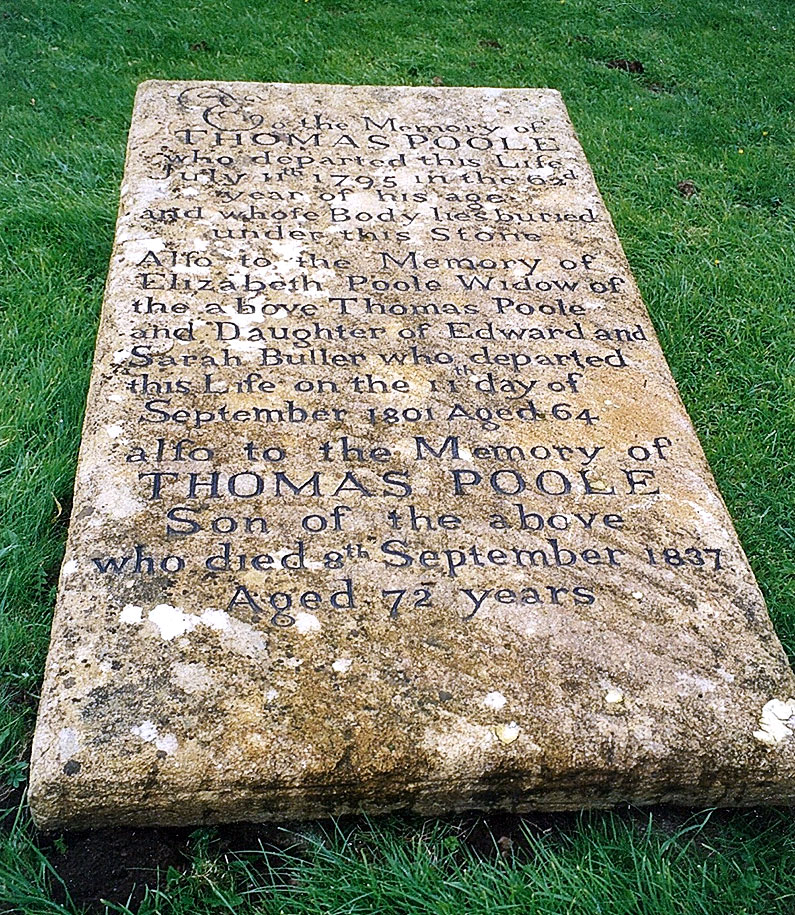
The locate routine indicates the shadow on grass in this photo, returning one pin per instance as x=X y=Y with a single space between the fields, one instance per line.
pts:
x=125 y=867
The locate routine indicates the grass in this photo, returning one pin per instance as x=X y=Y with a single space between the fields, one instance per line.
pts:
x=713 y=106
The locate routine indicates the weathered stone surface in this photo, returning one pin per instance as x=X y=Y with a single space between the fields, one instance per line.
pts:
x=386 y=496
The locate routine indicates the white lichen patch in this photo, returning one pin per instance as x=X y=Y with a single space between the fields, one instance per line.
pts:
x=121 y=355
x=113 y=431
x=495 y=700
x=167 y=743
x=638 y=595
x=147 y=731
x=70 y=567
x=131 y=614
x=68 y=744
x=306 y=623
x=215 y=619
x=507 y=733
x=691 y=683
x=776 y=722
x=171 y=621
x=614 y=696
x=192 y=678
x=116 y=502
x=457 y=742
x=284 y=251
x=342 y=665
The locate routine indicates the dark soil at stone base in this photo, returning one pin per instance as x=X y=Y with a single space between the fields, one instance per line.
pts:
x=114 y=864
x=117 y=865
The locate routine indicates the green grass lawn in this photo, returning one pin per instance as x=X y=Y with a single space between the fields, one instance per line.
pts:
x=694 y=156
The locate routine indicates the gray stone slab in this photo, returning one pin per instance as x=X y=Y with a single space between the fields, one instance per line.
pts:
x=386 y=497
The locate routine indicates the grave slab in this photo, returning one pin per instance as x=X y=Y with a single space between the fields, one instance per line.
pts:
x=386 y=497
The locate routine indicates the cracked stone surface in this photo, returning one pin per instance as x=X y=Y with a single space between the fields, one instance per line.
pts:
x=386 y=496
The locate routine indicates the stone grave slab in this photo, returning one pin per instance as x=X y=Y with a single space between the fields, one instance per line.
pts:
x=386 y=496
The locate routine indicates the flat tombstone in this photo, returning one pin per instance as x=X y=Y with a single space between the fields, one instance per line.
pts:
x=386 y=496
